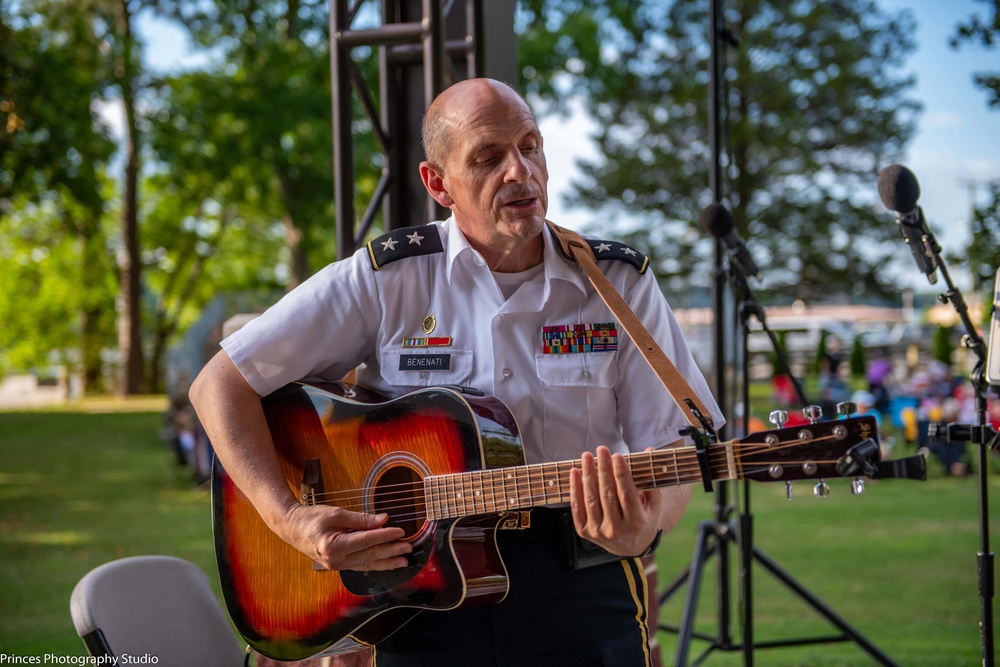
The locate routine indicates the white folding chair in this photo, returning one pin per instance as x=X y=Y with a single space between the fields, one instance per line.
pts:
x=156 y=605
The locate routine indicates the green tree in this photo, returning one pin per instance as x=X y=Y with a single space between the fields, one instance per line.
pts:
x=816 y=103
x=984 y=250
x=984 y=31
x=857 y=358
x=197 y=246
x=943 y=348
x=54 y=151
x=267 y=108
x=41 y=273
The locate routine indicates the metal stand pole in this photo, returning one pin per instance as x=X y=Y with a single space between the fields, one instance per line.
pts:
x=715 y=537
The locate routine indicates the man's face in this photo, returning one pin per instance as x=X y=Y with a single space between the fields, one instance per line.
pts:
x=494 y=174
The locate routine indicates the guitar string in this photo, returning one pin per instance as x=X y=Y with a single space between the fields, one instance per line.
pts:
x=635 y=458
x=521 y=474
x=529 y=501
x=524 y=501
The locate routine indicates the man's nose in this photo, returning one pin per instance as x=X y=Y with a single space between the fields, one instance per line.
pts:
x=517 y=168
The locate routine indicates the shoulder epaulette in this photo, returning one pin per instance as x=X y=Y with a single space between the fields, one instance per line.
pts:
x=402 y=243
x=619 y=251
x=609 y=250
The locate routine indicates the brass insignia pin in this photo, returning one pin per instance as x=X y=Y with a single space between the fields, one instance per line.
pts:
x=428 y=324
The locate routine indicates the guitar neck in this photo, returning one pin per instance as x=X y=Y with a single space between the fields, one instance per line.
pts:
x=523 y=487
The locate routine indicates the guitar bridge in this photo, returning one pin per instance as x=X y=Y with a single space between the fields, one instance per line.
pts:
x=312 y=482
x=515 y=520
x=310 y=488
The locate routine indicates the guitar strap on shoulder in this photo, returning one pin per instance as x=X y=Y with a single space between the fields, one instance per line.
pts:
x=575 y=247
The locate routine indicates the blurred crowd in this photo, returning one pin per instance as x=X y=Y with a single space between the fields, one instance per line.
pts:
x=183 y=432
x=914 y=403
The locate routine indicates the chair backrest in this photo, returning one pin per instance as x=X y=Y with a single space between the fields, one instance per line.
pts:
x=154 y=605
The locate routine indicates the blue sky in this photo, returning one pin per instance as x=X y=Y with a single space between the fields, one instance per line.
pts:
x=957 y=142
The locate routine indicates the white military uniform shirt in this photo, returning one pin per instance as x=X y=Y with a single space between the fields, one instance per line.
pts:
x=350 y=315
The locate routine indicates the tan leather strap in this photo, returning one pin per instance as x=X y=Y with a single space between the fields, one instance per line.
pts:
x=574 y=247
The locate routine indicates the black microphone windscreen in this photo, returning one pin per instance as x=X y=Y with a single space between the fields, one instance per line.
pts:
x=716 y=220
x=898 y=188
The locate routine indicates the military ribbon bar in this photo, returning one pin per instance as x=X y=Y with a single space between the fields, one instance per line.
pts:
x=570 y=338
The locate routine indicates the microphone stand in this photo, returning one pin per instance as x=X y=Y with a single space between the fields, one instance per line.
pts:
x=715 y=536
x=749 y=307
x=983 y=435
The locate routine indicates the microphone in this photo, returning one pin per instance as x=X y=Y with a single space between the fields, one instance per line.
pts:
x=899 y=190
x=718 y=222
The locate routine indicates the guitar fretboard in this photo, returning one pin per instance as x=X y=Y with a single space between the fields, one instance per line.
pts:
x=523 y=487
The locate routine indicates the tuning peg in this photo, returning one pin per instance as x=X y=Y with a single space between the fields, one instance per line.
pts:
x=822 y=489
x=778 y=417
x=847 y=408
x=857 y=486
x=788 y=490
x=813 y=413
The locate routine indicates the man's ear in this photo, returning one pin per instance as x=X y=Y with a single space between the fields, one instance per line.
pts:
x=433 y=179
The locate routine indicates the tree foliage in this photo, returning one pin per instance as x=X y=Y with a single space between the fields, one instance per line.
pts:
x=816 y=106
x=984 y=31
x=263 y=112
x=54 y=149
x=984 y=250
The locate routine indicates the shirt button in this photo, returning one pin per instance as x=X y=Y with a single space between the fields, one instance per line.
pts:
x=425 y=374
x=586 y=375
x=507 y=372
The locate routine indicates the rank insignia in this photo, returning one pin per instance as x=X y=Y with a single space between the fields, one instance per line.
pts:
x=402 y=243
x=569 y=338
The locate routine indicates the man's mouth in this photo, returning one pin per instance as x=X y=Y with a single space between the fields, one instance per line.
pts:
x=523 y=202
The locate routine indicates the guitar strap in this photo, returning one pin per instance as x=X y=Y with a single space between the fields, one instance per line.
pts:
x=575 y=248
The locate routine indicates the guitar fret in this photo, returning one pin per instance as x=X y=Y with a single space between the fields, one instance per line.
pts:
x=449 y=496
x=430 y=494
x=536 y=487
x=677 y=469
x=443 y=497
x=529 y=474
x=467 y=495
x=492 y=495
x=476 y=482
x=652 y=473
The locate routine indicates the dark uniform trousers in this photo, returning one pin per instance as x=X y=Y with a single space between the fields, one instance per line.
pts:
x=552 y=616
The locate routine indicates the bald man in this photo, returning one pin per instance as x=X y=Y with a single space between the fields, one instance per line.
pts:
x=493 y=287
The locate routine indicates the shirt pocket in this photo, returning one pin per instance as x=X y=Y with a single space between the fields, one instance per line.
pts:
x=579 y=403
x=424 y=367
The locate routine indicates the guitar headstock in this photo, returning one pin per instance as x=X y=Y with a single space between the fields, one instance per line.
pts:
x=838 y=448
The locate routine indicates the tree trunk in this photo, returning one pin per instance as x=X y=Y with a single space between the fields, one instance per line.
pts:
x=91 y=341
x=129 y=318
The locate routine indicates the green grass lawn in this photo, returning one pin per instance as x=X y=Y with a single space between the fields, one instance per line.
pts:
x=78 y=489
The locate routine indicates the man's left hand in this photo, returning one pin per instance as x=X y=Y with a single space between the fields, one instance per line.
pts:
x=608 y=509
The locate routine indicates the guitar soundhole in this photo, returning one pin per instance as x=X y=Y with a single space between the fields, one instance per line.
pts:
x=399 y=493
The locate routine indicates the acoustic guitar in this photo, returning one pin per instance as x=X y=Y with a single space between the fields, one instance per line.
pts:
x=447 y=466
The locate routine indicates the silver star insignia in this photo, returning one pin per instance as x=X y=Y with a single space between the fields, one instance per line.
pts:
x=628 y=251
x=414 y=238
x=603 y=247
x=389 y=245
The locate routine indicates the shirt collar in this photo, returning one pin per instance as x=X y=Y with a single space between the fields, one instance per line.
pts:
x=556 y=266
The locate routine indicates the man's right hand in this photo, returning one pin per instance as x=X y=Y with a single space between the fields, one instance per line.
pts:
x=339 y=539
